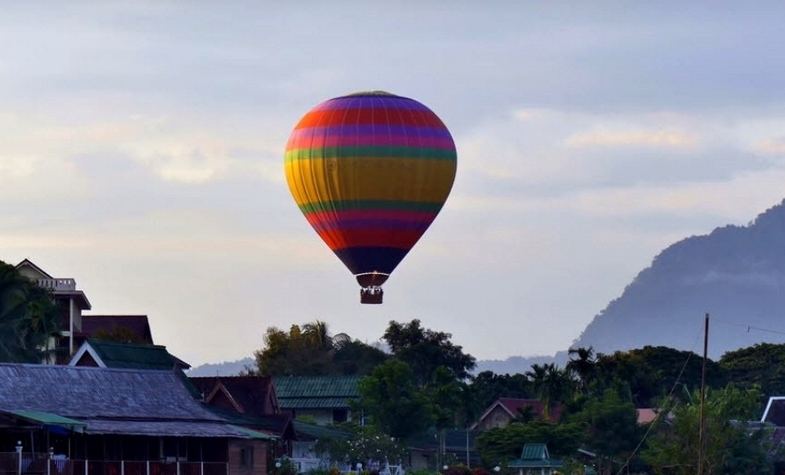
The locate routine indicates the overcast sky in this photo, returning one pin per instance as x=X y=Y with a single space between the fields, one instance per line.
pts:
x=141 y=152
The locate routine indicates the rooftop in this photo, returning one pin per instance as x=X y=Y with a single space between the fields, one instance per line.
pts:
x=316 y=392
x=108 y=401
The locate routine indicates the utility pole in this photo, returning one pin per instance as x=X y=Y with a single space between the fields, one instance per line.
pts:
x=702 y=422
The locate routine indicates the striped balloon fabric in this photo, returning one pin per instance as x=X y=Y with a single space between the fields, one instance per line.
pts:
x=370 y=171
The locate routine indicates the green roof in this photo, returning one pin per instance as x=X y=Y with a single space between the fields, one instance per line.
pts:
x=131 y=356
x=535 y=456
x=316 y=392
x=49 y=419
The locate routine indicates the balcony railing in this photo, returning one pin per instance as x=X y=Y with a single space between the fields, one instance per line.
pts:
x=57 y=284
x=42 y=464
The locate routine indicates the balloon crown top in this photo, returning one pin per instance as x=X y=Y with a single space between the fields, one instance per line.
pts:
x=370 y=93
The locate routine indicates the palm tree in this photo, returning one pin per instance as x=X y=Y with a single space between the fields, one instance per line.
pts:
x=317 y=335
x=550 y=383
x=28 y=318
x=583 y=367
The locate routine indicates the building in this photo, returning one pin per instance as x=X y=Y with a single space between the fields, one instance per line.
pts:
x=249 y=401
x=107 y=354
x=129 y=328
x=535 y=460
x=505 y=410
x=70 y=301
x=322 y=400
x=118 y=421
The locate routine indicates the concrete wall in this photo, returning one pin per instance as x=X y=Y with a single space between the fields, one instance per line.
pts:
x=259 y=449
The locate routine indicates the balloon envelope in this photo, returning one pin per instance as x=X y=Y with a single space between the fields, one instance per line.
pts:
x=370 y=171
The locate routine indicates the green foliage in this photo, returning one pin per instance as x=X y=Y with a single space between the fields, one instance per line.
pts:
x=649 y=373
x=28 y=318
x=761 y=365
x=309 y=350
x=424 y=350
x=391 y=397
x=446 y=396
x=504 y=444
x=729 y=448
x=551 y=385
x=610 y=427
x=365 y=445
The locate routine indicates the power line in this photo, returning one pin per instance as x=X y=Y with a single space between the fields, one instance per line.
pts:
x=664 y=405
x=749 y=327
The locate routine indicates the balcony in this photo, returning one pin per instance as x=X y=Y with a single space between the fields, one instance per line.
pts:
x=46 y=464
x=57 y=285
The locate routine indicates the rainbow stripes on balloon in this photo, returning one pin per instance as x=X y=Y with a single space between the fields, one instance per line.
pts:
x=370 y=171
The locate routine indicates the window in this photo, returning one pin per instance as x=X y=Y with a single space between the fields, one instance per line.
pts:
x=246 y=457
x=340 y=415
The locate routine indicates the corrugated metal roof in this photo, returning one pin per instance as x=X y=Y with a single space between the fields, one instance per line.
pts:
x=131 y=356
x=315 y=403
x=94 y=392
x=113 y=401
x=316 y=392
x=47 y=418
x=173 y=429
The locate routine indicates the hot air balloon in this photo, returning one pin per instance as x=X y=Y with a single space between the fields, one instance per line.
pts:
x=370 y=171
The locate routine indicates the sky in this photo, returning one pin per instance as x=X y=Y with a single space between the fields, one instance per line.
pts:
x=141 y=153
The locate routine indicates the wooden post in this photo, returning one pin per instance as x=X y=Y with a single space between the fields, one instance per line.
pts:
x=701 y=421
x=85 y=465
x=147 y=464
x=122 y=467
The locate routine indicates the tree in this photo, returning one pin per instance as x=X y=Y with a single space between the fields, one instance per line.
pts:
x=503 y=444
x=729 y=447
x=583 y=366
x=364 y=445
x=424 y=350
x=610 y=426
x=356 y=358
x=761 y=365
x=28 y=318
x=651 y=371
x=551 y=385
x=309 y=350
x=391 y=397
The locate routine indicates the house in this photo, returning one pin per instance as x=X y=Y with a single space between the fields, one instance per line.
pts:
x=76 y=328
x=504 y=410
x=107 y=354
x=248 y=401
x=322 y=400
x=70 y=302
x=535 y=460
x=91 y=420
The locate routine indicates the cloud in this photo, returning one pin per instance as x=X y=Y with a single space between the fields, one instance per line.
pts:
x=633 y=138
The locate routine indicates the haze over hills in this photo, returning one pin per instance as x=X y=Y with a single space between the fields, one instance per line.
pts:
x=735 y=273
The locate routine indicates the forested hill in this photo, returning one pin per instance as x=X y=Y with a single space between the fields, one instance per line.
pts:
x=736 y=273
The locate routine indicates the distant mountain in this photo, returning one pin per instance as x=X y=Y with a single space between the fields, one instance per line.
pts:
x=226 y=368
x=518 y=364
x=735 y=273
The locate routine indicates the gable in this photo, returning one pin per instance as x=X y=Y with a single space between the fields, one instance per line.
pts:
x=31 y=271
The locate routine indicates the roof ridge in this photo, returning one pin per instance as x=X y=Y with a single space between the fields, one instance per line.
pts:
x=117 y=343
x=87 y=368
